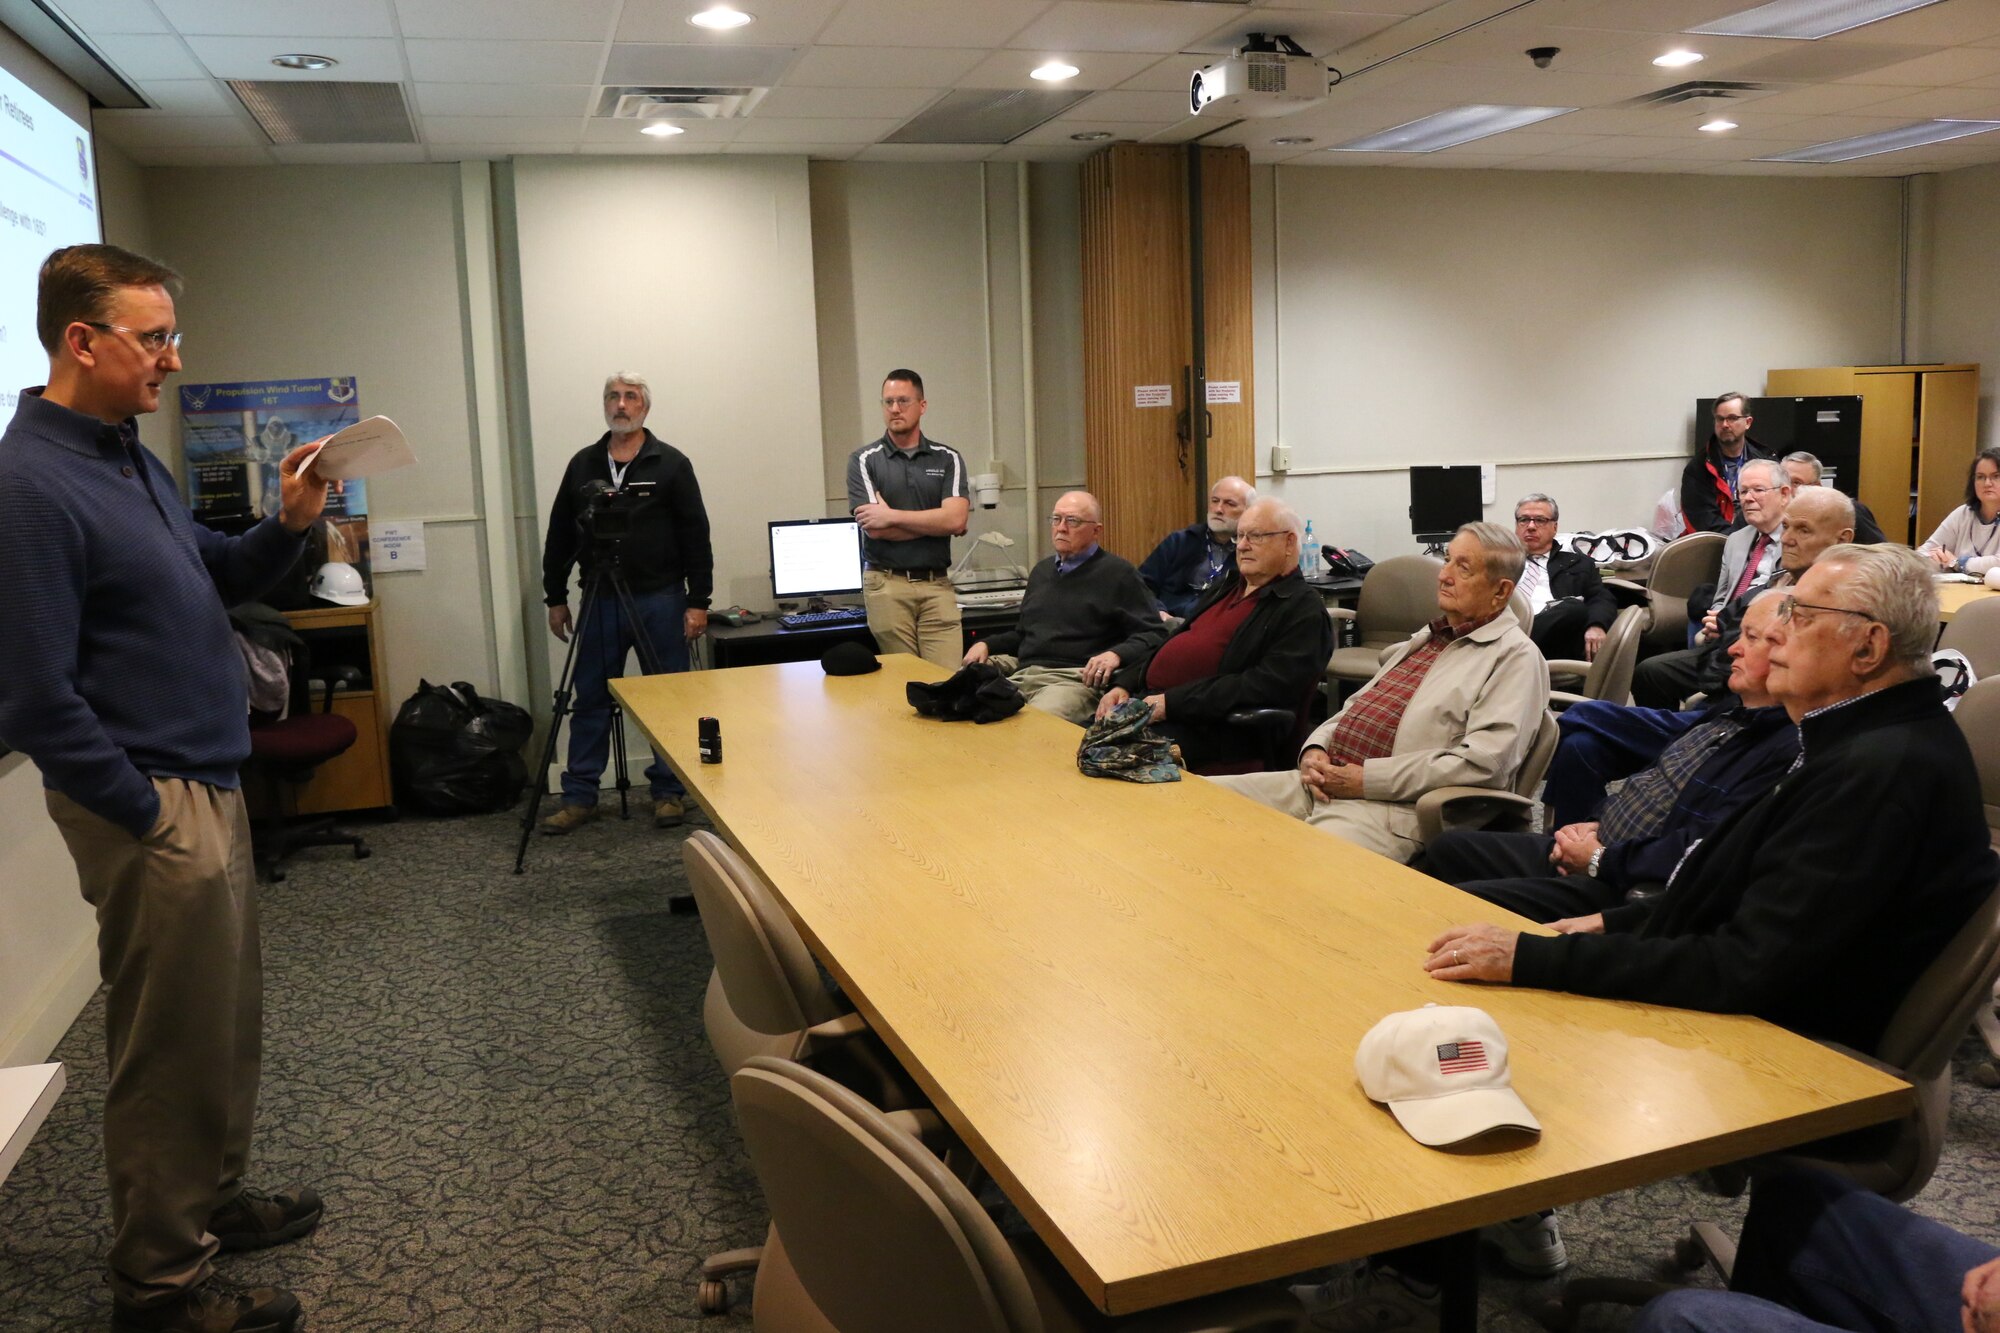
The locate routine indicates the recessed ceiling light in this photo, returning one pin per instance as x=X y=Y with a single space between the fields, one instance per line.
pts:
x=1807 y=20
x=300 y=60
x=1054 y=72
x=660 y=129
x=1676 y=59
x=1091 y=136
x=1461 y=124
x=1717 y=126
x=721 y=18
x=1292 y=140
x=1886 y=141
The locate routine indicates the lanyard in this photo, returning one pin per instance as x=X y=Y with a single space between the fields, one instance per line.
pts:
x=617 y=468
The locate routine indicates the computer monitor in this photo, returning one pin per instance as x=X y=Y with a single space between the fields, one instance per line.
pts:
x=815 y=557
x=1443 y=499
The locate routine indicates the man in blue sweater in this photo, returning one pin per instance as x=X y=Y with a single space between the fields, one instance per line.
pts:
x=120 y=679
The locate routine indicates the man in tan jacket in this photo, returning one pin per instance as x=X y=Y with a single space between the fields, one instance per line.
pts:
x=1458 y=704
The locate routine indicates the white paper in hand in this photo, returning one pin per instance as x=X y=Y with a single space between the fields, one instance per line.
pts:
x=363 y=450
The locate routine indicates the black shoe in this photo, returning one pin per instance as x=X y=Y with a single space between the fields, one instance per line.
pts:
x=213 y=1305
x=253 y=1219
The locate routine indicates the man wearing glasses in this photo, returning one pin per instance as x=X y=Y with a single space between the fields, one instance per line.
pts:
x=910 y=495
x=1086 y=612
x=120 y=678
x=1750 y=554
x=1566 y=595
x=1818 y=906
x=1710 y=479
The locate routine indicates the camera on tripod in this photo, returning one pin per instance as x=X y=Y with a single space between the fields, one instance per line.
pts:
x=607 y=514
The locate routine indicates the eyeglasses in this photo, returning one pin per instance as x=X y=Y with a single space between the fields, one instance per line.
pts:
x=1533 y=521
x=897 y=402
x=1789 y=607
x=1243 y=538
x=1986 y=478
x=1756 y=490
x=153 y=340
x=1729 y=419
x=1070 y=521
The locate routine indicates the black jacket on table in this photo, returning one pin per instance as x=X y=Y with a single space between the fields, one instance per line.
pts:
x=668 y=546
x=1573 y=575
x=1067 y=619
x=1817 y=907
x=1276 y=655
x=1707 y=502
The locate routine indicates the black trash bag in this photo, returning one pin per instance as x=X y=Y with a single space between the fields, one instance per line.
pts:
x=452 y=752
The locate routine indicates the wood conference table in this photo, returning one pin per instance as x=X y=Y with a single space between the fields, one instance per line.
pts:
x=1955 y=597
x=1139 y=1005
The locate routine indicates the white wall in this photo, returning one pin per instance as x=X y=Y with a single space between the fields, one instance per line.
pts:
x=1962 y=283
x=1540 y=321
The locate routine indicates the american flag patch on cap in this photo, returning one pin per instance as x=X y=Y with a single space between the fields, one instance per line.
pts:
x=1461 y=1057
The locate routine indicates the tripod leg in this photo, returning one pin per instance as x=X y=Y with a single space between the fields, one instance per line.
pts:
x=624 y=778
x=565 y=691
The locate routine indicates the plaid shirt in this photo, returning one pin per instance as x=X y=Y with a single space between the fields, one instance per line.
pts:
x=1640 y=805
x=1367 y=728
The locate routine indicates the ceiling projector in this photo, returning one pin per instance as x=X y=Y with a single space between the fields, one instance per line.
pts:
x=1255 y=83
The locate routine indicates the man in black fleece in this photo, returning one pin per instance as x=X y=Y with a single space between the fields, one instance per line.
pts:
x=1086 y=612
x=1818 y=906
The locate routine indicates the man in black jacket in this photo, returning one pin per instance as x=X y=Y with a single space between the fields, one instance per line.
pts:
x=1708 y=482
x=1084 y=615
x=1566 y=595
x=1261 y=640
x=667 y=564
x=1817 y=907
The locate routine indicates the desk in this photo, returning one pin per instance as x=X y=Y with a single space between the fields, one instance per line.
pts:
x=1139 y=1005
x=358 y=778
x=26 y=1094
x=1955 y=597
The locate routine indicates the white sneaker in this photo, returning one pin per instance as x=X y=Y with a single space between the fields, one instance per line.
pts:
x=1531 y=1245
x=1370 y=1299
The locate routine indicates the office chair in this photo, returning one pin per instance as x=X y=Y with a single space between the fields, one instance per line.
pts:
x=1398 y=598
x=1684 y=564
x=765 y=997
x=1975 y=631
x=1978 y=716
x=1510 y=807
x=1279 y=732
x=1607 y=676
x=1894 y=1160
x=284 y=753
x=928 y=1258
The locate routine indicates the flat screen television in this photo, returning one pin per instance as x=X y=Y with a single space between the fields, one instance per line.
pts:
x=815 y=557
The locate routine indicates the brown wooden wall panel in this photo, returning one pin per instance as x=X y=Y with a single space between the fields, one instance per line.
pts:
x=1227 y=323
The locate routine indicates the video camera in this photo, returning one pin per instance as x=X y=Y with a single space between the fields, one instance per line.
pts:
x=606 y=515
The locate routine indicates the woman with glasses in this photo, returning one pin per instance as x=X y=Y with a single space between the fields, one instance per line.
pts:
x=1968 y=541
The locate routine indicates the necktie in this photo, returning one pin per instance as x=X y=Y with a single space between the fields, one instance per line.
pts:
x=1534 y=578
x=1750 y=565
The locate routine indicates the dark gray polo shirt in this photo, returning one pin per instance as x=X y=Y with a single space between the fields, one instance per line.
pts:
x=922 y=478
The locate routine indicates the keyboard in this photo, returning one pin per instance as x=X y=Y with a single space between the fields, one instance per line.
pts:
x=995 y=598
x=839 y=615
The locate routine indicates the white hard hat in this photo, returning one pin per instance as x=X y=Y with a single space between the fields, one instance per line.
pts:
x=336 y=582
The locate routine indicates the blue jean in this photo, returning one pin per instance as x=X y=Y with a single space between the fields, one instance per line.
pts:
x=604 y=640
x=1819 y=1253
x=1601 y=742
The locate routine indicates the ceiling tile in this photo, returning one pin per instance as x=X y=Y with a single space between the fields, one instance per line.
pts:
x=1096 y=69
x=152 y=127
x=924 y=152
x=748 y=66
x=505 y=99
x=188 y=156
x=863 y=103
x=314 y=154
x=367 y=59
x=481 y=152
x=500 y=62
x=889 y=24
x=865 y=67
x=279 y=18
x=779 y=22
x=1323 y=33
x=1113 y=25
x=1939 y=68
x=1825 y=98
x=143 y=58
x=98 y=17
x=818 y=152
x=1166 y=76
x=1119 y=105
x=508 y=20
x=858 y=131
x=1064 y=152
x=189 y=97
x=502 y=129
x=1942 y=104
x=705 y=134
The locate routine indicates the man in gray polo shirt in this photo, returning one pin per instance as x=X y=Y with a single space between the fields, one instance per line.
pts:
x=909 y=493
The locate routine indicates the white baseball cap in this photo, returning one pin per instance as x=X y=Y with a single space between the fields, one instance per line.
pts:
x=1442 y=1071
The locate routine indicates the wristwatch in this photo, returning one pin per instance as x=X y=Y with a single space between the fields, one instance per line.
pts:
x=1596 y=858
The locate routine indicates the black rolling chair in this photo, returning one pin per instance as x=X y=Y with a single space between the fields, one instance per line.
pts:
x=284 y=754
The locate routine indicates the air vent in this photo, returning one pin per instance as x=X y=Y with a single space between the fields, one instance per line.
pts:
x=986 y=115
x=1696 y=89
x=677 y=103
x=316 y=111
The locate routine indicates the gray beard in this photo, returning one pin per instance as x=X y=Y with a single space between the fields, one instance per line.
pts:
x=1221 y=530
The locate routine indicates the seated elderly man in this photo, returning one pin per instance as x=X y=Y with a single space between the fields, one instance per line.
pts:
x=1817 y=907
x=1456 y=704
x=1258 y=640
x=1565 y=593
x=1084 y=614
x=1814 y=520
x=1749 y=554
x=1187 y=563
x=1733 y=755
x=1803 y=469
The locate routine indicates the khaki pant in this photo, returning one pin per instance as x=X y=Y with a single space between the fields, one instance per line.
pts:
x=915 y=616
x=1057 y=690
x=177 y=945
x=1387 y=828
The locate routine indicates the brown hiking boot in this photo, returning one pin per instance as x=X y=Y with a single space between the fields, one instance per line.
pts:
x=667 y=812
x=213 y=1305
x=253 y=1219
x=568 y=817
